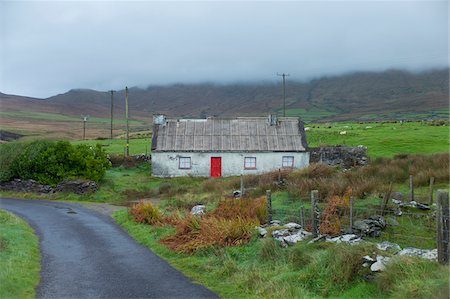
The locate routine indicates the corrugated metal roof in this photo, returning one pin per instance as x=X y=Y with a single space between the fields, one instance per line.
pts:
x=241 y=134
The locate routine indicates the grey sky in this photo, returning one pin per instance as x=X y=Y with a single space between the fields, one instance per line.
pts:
x=49 y=47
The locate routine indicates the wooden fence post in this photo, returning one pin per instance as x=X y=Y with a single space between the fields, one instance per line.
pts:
x=351 y=212
x=386 y=198
x=430 y=195
x=443 y=226
x=269 y=206
x=315 y=212
x=302 y=217
x=411 y=188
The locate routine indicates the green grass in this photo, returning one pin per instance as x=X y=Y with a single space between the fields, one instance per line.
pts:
x=261 y=269
x=383 y=139
x=19 y=258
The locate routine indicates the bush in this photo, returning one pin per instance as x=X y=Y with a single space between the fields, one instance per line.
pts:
x=145 y=212
x=254 y=209
x=51 y=162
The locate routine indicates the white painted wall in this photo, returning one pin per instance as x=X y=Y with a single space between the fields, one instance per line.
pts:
x=166 y=164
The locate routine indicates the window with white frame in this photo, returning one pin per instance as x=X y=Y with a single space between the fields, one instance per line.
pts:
x=288 y=161
x=184 y=163
x=250 y=163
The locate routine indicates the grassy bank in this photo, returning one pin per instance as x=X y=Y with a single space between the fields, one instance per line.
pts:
x=19 y=258
x=262 y=269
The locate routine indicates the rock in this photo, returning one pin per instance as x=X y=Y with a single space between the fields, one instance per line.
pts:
x=198 y=210
x=368 y=259
x=237 y=193
x=275 y=223
x=299 y=236
x=29 y=186
x=388 y=246
x=380 y=264
x=262 y=232
x=422 y=206
x=422 y=253
x=397 y=197
x=319 y=238
x=370 y=227
x=349 y=238
x=397 y=202
x=293 y=225
x=392 y=222
x=280 y=233
x=398 y=212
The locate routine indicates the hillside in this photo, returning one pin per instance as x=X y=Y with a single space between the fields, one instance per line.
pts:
x=392 y=94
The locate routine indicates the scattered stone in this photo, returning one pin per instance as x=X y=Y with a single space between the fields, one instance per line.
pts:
x=280 y=233
x=29 y=186
x=368 y=259
x=397 y=202
x=423 y=253
x=293 y=225
x=370 y=227
x=388 y=246
x=198 y=210
x=300 y=235
x=422 y=206
x=275 y=223
x=380 y=264
x=398 y=212
x=262 y=232
x=319 y=238
x=348 y=238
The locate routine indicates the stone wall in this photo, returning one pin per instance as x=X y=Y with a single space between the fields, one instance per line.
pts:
x=346 y=157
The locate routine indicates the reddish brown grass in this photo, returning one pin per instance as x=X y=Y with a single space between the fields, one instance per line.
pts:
x=253 y=209
x=331 y=222
x=145 y=212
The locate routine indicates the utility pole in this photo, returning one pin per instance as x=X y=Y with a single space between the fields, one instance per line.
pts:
x=85 y=118
x=284 y=91
x=126 y=116
x=112 y=112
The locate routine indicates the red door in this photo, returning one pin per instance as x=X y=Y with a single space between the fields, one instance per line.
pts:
x=216 y=167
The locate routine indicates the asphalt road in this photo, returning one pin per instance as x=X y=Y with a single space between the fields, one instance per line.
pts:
x=86 y=255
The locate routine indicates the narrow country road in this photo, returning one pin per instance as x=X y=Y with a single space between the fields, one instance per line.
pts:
x=86 y=255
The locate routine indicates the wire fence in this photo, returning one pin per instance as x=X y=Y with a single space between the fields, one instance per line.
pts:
x=407 y=225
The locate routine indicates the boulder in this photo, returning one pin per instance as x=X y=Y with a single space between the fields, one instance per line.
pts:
x=348 y=238
x=198 y=210
x=422 y=253
x=293 y=226
x=300 y=235
x=262 y=232
x=388 y=246
x=275 y=223
x=397 y=197
x=380 y=264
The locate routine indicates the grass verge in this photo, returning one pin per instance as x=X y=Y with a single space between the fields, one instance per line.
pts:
x=262 y=269
x=19 y=258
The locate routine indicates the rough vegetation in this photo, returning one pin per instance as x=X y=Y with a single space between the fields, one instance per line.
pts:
x=50 y=162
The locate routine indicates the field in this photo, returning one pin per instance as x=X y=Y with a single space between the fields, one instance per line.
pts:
x=261 y=268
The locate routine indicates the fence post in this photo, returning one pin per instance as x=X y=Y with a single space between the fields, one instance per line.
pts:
x=351 y=212
x=302 y=217
x=315 y=212
x=279 y=175
x=411 y=188
x=242 y=185
x=386 y=198
x=269 y=206
x=430 y=195
x=442 y=217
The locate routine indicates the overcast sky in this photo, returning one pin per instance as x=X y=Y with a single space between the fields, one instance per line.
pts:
x=50 y=47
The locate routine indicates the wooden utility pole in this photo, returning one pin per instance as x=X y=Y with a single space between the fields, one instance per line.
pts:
x=85 y=118
x=126 y=116
x=411 y=188
x=430 y=195
x=112 y=112
x=284 y=91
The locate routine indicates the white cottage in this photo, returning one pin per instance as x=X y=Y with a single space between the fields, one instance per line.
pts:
x=227 y=146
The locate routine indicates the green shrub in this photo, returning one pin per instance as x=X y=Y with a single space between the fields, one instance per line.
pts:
x=51 y=162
